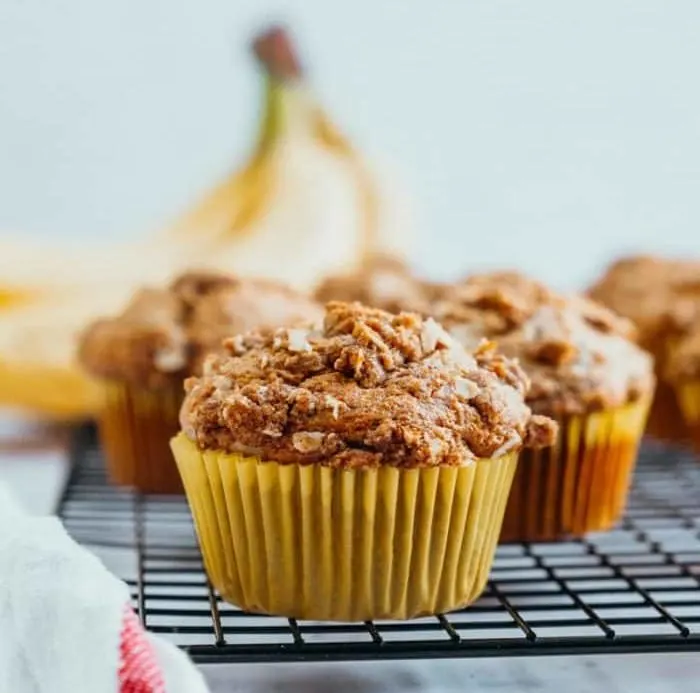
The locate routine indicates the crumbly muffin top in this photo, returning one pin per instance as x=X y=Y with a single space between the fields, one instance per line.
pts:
x=661 y=296
x=579 y=355
x=163 y=334
x=382 y=282
x=367 y=388
x=683 y=362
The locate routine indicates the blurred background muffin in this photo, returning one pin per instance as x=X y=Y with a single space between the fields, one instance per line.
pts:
x=683 y=374
x=141 y=356
x=662 y=297
x=381 y=281
x=586 y=373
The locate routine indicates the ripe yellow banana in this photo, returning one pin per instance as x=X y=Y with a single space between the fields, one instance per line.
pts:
x=13 y=297
x=305 y=204
x=295 y=210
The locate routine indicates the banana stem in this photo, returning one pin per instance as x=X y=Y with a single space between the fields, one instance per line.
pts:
x=274 y=50
x=285 y=108
x=286 y=103
x=272 y=117
x=288 y=108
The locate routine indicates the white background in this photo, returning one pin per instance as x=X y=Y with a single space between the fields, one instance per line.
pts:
x=544 y=134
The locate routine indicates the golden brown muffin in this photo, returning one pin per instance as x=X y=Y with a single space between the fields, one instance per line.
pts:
x=662 y=297
x=162 y=336
x=372 y=455
x=587 y=373
x=383 y=282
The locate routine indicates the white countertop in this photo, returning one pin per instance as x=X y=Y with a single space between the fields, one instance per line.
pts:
x=37 y=476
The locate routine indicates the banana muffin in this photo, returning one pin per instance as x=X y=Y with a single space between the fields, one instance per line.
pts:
x=587 y=373
x=662 y=297
x=142 y=356
x=354 y=470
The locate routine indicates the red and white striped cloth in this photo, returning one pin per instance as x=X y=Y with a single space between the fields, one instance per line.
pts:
x=66 y=624
x=139 y=670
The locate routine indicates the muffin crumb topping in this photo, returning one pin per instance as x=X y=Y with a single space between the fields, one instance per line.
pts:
x=580 y=356
x=371 y=389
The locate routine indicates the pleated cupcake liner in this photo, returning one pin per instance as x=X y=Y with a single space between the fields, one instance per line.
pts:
x=135 y=428
x=689 y=400
x=579 y=485
x=313 y=542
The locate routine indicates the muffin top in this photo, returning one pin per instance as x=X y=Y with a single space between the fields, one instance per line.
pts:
x=579 y=355
x=661 y=296
x=163 y=334
x=366 y=388
x=382 y=282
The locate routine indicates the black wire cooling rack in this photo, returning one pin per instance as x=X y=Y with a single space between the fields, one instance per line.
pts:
x=635 y=589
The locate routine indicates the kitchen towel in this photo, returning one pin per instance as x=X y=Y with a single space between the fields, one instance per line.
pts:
x=66 y=623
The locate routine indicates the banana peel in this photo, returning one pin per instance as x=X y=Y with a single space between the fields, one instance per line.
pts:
x=293 y=213
x=38 y=371
x=304 y=204
x=51 y=392
x=14 y=297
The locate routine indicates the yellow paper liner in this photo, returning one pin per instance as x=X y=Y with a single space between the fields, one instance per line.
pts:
x=579 y=485
x=689 y=401
x=312 y=542
x=136 y=426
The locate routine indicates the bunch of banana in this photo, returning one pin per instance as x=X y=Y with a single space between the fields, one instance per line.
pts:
x=304 y=204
